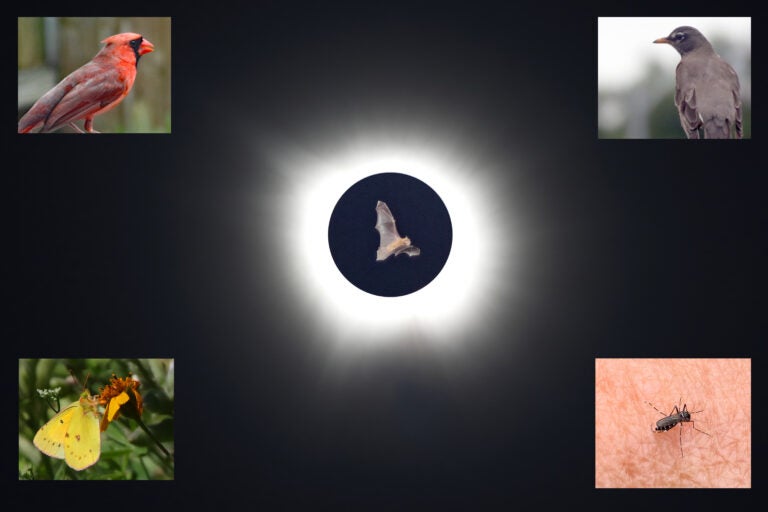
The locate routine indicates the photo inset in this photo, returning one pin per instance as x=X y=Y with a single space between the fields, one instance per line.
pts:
x=96 y=419
x=674 y=78
x=94 y=75
x=673 y=423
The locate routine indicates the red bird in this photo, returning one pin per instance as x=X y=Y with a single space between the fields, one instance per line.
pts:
x=92 y=89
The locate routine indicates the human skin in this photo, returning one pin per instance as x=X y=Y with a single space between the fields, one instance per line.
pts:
x=630 y=454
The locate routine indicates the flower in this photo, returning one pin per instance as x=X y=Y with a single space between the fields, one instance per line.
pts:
x=121 y=395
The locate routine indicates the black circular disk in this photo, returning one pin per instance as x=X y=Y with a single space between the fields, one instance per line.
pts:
x=419 y=214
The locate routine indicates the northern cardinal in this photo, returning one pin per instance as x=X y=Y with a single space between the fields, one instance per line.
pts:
x=92 y=89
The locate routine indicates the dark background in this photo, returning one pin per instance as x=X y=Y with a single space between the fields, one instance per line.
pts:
x=135 y=246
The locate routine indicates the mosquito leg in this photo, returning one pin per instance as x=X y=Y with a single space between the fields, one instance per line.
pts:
x=649 y=403
x=681 y=440
x=693 y=424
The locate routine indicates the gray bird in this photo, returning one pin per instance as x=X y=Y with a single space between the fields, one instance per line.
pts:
x=707 y=88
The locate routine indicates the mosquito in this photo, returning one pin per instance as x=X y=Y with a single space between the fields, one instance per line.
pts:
x=675 y=417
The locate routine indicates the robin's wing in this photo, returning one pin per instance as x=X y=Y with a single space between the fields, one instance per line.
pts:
x=733 y=82
x=718 y=99
x=707 y=96
x=686 y=102
x=737 y=122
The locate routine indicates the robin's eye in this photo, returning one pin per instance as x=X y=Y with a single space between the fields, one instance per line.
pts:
x=679 y=36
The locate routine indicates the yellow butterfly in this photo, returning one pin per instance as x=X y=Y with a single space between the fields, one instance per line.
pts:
x=73 y=434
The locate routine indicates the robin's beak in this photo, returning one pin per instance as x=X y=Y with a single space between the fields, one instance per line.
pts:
x=663 y=40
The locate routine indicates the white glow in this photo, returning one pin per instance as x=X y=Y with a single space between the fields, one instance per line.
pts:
x=456 y=306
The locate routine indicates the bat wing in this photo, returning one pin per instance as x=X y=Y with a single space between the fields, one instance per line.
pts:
x=390 y=240
x=410 y=250
x=385 y=224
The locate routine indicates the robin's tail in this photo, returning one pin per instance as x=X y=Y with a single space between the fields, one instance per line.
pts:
x=717 y=128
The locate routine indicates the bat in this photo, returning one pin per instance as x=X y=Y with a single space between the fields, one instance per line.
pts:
x=390 y=240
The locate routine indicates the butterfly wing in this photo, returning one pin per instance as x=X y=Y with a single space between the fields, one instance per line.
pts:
x=73 y=434
x=82 y=442
x=50 y=437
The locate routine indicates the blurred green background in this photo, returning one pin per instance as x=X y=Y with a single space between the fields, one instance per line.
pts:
x=51 y=48
x=127 y=452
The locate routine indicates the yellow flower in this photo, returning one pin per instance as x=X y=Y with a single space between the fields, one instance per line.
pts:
x=120 y=396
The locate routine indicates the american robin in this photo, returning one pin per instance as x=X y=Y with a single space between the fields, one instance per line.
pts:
x=707 y=88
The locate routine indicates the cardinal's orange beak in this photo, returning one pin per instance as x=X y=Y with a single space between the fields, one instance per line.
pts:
x=146 y=47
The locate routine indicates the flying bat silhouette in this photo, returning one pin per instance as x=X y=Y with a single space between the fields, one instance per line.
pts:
x=390 y=240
